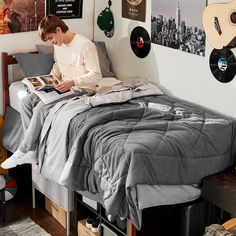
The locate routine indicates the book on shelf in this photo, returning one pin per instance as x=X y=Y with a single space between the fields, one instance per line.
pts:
x=44 y=87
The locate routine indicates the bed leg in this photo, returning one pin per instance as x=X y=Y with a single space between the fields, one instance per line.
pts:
x=131 y=230
x=67 y=223
x=33 y=195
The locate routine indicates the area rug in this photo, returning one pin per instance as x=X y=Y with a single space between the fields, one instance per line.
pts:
x=25 y=227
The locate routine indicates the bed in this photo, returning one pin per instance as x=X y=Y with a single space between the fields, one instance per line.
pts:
x=148 y=151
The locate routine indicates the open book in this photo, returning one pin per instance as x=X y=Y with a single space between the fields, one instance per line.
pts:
x=43 y=87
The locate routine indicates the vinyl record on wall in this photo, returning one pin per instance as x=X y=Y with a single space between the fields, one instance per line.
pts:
x=140 y=42
x=223 y=64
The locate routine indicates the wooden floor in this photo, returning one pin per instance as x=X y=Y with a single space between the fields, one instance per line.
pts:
x=21 y=207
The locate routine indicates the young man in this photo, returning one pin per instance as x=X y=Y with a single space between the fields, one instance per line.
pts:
x=75 y=56
x=76 y=63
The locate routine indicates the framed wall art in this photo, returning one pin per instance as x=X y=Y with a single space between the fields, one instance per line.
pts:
x=65 y=9
x=20 y=15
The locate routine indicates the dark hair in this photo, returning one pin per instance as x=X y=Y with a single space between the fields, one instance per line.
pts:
x=49 y=24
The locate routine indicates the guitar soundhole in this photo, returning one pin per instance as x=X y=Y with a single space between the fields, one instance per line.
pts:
x=233 y=17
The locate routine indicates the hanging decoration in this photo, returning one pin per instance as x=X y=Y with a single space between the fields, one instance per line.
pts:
x=105 y=21
x=140 y=42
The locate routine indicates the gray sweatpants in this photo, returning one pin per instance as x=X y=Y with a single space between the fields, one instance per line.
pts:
x=33 y=113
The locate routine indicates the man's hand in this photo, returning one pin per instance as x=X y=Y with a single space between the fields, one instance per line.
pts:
x=65 y=85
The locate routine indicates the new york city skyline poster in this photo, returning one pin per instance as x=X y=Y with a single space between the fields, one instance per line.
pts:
x=178 y=24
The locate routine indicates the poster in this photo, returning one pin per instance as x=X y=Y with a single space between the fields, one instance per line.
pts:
x=65 y=9
x=178 y=25
x=20 y=15
x=134 y=9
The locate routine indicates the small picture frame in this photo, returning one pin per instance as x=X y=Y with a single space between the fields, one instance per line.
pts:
x=134 y=9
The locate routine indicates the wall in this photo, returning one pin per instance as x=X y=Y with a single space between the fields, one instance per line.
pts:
x=179 y=74
x=24 y=42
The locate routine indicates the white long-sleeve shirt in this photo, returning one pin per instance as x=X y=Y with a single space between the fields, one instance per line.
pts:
x=78 y=61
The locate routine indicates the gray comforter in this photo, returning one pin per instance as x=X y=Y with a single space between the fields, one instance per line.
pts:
x=112 y=148
x=150 y=140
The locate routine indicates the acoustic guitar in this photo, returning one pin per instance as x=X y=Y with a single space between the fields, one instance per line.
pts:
x=219 y=22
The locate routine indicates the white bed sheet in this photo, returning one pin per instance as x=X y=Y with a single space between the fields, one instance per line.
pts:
x=17 y=91
x=159 y=195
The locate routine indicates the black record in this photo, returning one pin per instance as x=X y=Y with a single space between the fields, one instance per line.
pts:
x=223 y=64
x=140 y=42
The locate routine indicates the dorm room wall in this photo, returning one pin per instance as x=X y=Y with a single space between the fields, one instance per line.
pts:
x=178 y=73
x=26 y=41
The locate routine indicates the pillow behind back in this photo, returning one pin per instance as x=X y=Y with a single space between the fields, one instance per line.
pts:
x=44 y=48
x=35 y=64
x=104 y=61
